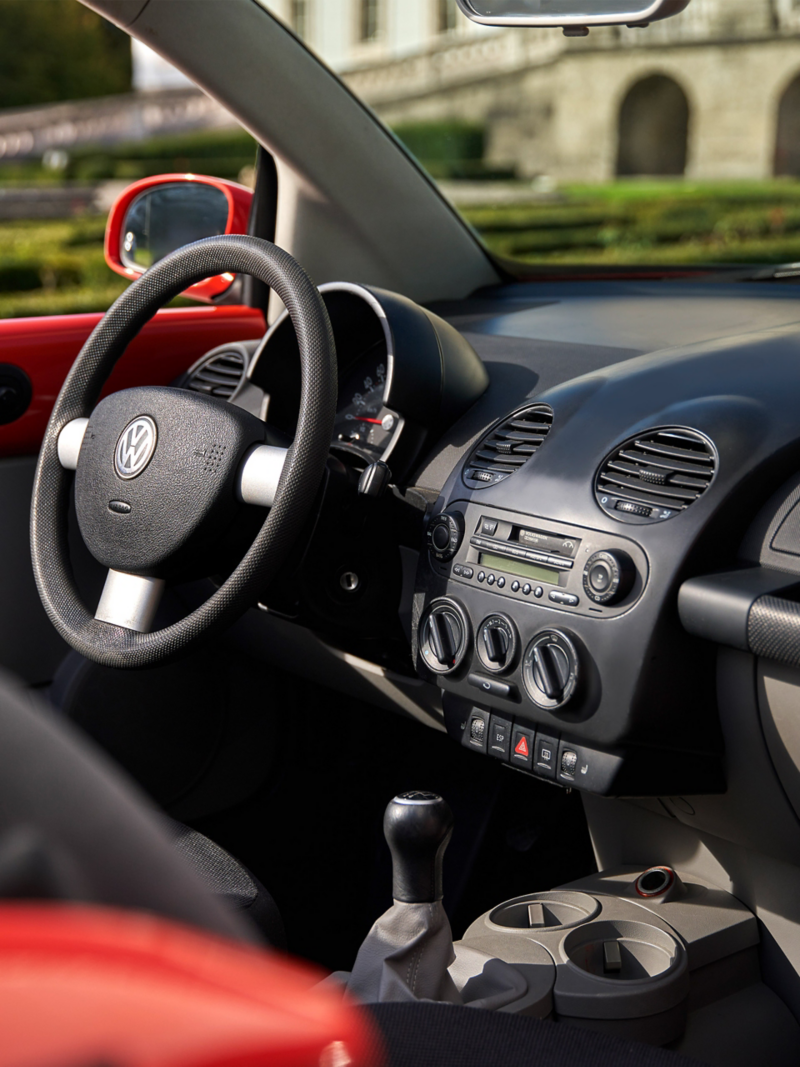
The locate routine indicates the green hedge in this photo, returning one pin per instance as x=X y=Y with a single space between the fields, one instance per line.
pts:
x=222 y=153
x=449 y=149
x=648 y=222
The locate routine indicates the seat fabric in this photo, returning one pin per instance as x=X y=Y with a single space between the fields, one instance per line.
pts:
x=447 y=1035
x=229 y=880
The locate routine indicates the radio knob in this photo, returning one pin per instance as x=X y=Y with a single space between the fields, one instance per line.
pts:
x=497 y=643
x=444 y=635
x=608 y=577
x=445 y=534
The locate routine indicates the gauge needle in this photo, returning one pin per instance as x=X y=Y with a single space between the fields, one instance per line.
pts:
x=377 y=422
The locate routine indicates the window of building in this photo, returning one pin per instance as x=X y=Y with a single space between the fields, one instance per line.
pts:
x=446 y=15
x=299 y=16
x=369 y=26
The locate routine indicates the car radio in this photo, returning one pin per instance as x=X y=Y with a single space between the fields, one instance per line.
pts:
x=568 y=568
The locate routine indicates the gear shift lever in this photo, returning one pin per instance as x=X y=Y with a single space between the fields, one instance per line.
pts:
x=408 y=953
x=417 y=827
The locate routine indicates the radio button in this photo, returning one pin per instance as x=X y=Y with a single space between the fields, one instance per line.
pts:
x=489 y=527
x=526 y=589
x=515 y=587
x=501 y=582
x=569 y=600
x=490 y=579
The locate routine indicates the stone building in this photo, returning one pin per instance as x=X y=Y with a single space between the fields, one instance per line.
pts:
x=712 y=94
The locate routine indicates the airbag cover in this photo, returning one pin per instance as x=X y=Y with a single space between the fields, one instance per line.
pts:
x=146 y=504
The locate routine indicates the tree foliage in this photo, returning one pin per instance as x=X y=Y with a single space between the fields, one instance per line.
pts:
x=54 y=50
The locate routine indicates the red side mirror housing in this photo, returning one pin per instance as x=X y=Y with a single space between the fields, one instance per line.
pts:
x=154 y=216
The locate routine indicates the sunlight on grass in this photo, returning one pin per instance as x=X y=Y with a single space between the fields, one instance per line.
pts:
x=649 y=222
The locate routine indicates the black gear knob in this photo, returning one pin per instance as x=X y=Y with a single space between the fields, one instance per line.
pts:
x=417 y=827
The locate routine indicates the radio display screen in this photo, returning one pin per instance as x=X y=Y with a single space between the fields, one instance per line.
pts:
x=518 y=567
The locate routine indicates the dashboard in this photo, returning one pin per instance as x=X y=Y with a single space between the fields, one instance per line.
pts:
x=590 y=501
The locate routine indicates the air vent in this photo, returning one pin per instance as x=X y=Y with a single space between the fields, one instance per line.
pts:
x=508 y=447
x=218 y=373
x=656 y=475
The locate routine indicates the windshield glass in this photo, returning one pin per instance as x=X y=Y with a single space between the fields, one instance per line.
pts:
x=678 y=144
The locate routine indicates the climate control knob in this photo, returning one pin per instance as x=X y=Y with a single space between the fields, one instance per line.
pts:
x=608 y=577
x=444 y=636
x=445 y=534
x=550 y=669
x=496 y=642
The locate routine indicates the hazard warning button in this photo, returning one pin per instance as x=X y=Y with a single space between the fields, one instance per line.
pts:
x=522 y=747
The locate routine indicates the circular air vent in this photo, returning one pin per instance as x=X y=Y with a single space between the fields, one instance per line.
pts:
x=656 y=475
x=508 y=447
x=218 y=373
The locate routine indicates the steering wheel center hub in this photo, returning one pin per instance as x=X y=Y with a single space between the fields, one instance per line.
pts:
x=174 y=467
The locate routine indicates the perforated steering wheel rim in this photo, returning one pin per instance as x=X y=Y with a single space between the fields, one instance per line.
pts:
x=118 y=646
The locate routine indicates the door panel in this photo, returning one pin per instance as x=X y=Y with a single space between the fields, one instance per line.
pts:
x=45 y=349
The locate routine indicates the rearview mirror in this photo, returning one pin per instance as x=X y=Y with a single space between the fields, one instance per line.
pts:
x=574 y=15
x=155 y=216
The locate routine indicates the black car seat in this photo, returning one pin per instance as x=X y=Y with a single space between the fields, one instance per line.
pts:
x=230 y=881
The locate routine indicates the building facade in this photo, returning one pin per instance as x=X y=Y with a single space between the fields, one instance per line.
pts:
x=711 y=94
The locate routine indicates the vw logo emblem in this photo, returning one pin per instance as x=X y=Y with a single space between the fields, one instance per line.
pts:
x=135 y=447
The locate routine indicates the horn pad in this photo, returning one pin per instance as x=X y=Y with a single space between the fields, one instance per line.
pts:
x=157 y=476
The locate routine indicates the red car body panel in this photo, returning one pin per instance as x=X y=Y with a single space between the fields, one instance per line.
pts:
x=82 y=985
x=45 y=348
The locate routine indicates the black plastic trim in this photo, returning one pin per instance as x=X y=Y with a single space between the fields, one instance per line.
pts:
x=718 y=607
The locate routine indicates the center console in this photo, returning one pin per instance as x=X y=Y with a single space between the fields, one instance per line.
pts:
x=645 y=955
x=528 y=624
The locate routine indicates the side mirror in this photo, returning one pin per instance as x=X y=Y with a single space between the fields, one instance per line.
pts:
x=576 y=16
x=153 y=217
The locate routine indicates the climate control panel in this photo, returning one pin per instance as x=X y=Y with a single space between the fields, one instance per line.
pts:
x=515 y=609
x=536 y=631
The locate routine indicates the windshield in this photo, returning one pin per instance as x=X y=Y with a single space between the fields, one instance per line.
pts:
x=653 y=152
x=678 y=144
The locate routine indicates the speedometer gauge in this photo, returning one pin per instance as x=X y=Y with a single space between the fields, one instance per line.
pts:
x=363 y=422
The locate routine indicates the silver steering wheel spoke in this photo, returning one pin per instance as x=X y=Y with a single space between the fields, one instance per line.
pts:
x=130 y=601
x=259 y=475
x=69 y=443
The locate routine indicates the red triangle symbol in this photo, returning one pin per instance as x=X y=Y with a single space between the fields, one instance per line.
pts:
x=522 y=747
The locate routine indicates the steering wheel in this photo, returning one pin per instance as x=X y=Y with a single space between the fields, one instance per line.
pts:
x=161 y=473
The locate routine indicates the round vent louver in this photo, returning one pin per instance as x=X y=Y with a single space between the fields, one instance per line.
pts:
x=218 y=373
x=656 y=475
x=508 y=447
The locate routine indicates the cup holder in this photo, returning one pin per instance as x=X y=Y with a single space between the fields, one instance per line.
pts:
x=545 y=911
x=622 y=951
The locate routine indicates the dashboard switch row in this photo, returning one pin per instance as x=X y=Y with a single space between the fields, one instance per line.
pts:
x=514 y=743
x=537 y=751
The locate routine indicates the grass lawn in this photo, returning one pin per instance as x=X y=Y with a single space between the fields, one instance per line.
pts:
x=58 y=267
